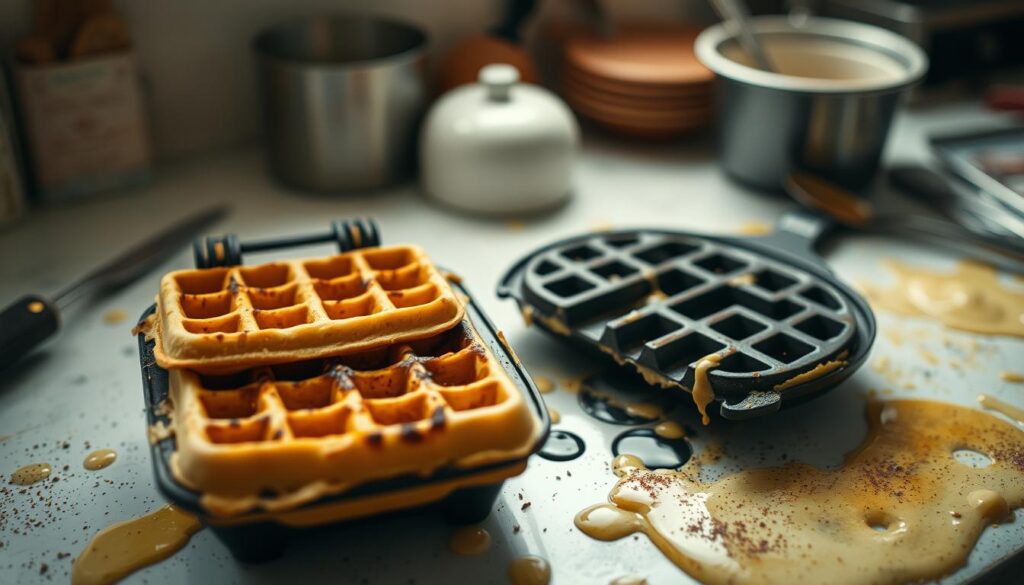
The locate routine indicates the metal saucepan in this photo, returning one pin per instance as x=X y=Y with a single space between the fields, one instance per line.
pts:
x=827 y=110
x=343 y=97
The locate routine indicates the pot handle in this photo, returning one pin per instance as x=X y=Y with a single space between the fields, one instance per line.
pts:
x=798 y=233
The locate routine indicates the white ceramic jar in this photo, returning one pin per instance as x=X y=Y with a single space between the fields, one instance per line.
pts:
x=498 y=146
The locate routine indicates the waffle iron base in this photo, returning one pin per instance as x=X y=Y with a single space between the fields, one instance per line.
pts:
x=458 y=496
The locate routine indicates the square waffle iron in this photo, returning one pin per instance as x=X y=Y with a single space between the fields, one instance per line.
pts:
x=660 y=301
x=462 y=493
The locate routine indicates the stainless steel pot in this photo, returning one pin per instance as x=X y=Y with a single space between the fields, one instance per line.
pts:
x=771 y=123
x=343 y=98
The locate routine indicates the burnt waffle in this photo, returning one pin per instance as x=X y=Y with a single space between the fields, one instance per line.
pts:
x=272 y=438
x=225 y=319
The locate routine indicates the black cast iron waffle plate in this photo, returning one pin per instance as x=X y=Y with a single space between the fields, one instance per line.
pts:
x=662 y=300
x=264 y=540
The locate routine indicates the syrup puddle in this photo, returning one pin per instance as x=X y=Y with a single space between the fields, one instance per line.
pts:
x=1009 y=410
x=754 y=228
x=30 y=474
x=562 y=446
x=1011 y=377
x=604 y=397
x=556 y=417
x=99 y=459
x=669 y=430
x=115 y=316
x=529 y=570
x=469 y=540
x=901 y=508
x=123 y=548
x=652 y=450
x=544 y=384
x=572 y=385
x=971 y=298
x=645 y=411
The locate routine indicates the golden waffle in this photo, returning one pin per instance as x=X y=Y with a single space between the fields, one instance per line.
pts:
x=275 y=437
x=224 y=319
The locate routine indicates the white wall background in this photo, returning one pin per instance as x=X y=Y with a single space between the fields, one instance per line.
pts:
x=199 y=69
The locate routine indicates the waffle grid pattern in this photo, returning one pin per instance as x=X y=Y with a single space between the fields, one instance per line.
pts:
x=664 y=301
x=232 y=316
x=443 y=398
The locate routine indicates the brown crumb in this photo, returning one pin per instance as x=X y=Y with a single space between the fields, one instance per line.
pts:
x=525 y=505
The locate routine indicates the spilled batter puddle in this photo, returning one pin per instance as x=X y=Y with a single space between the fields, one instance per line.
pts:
x=901 y=508
x=30 y=474
x=652 y=449
x=971 y=298
x=620 y=397
x=469 y=540
x=123 y=548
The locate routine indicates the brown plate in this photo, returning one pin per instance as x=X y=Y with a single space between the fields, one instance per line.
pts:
x=647 y=54
x=662 y=132
x=637 y=89
x=638 y=115
x=575 y=88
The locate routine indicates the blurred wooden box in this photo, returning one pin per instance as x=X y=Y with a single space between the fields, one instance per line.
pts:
x=85 y=125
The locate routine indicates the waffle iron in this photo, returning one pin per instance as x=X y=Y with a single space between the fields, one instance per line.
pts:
x=784 y=327
x=468 y=493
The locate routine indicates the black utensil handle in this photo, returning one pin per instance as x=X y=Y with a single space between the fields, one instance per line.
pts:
x=227 y=250
x=516 y=12
x=25 y=324
x=797 y=234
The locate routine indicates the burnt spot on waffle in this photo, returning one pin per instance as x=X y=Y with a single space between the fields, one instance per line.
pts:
x=223 y=318
x=437 y=420
x=374 y=438
x=662 y=301
x=410 y=434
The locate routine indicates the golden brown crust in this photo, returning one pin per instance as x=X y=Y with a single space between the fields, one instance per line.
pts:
x=224 y=319
x=274 y=438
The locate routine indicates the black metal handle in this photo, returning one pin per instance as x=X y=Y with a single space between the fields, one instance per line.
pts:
x=227 y=250
x=797 y=234
x=516 y=12
x=25 y=324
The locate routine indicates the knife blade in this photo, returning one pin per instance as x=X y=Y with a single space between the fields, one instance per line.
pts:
x=33 y=318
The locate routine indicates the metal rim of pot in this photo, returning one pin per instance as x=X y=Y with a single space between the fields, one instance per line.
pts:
x=905 y=52
x=416 y=48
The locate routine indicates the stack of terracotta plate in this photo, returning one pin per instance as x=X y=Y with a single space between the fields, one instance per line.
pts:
x=643 y=80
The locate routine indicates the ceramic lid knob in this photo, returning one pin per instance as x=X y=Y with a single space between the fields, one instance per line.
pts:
x=498 y=78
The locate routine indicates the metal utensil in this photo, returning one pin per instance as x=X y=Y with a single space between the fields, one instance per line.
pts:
x=854 y=212
x=32 y=319
x=736 y=13
x=957 y=200
x=342 y=101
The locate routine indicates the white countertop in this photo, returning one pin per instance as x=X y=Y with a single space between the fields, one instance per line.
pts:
x=84 y=386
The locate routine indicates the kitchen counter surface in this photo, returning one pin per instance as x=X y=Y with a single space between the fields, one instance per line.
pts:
x=82 y=392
